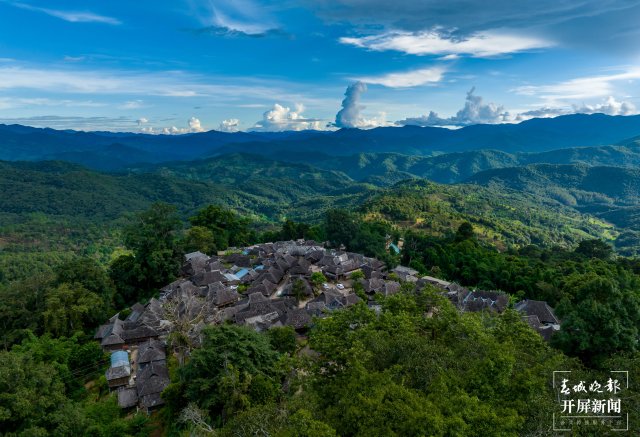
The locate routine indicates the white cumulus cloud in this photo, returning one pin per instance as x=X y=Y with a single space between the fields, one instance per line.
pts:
x=350 y=115
x=282 y=118
x=475 y=111
x=610 y=106
x=229 y=125
x=195 y=125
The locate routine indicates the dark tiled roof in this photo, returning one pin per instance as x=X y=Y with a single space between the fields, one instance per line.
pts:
x=238 y=259
x=256 y=297
x=118 y=372
x=532 y=321
x=333 y=270
x=151 y=401
x=297 y=318
x=174 y=285
x=260 y=288
x=350 y=299
x=375 y=285
x=283 y=264
x=136 y=311
x=328 y=260
x=139 y=332
x=376 y=264
x=152 y=350
x=370 y=272
x=114 y=336
x=206 y=278
x=127 y=397
x=404 y=271
x=315 y=255
x=538 y=308
x=316 y=307
x=152 y=379
x=350 y=266
x=226 y=296
x=188 y=287
x=214 y=265
x=194 y=255
x=103 y=331
x=195 y=265
x=391 y=287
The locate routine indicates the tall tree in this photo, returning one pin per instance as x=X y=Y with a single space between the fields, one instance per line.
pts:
x=228 y=228
x=233 y=368
x=70 y=308
x=340 y=226
x=156 y=258
x=594 y=249
x=601 y=317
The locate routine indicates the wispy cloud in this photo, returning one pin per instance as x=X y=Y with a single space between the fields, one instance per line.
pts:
x=227 y=32
x=116 y=124
x=70 y=16
x=235 y=18
x=24 y=102
x=73 y=58
x=579 y=88
x=132 y=104
x=480 y=45
x=407 y=79
x=175 y=84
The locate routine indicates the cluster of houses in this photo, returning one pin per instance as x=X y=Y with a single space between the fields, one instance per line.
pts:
x=263 y=286
x=138 y=369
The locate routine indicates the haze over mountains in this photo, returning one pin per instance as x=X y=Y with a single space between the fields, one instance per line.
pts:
x=111 y=151
x=570 y=178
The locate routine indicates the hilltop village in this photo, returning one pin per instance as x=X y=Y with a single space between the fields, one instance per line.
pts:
x=267 y=285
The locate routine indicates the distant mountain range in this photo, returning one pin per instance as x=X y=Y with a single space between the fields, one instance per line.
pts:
x=542 y=181
x=112 y=151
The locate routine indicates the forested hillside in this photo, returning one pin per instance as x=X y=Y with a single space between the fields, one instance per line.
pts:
x=503 y=217
x=413 y=365
x=608 y=193
x=448 y=168
x=54 y=209
x=51 y=210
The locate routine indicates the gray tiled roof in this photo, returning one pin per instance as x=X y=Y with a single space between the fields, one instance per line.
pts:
x=127 y=397
x=151 y=350
x=538 y=308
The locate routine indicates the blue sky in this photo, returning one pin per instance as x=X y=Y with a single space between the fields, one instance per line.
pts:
x=189 y=65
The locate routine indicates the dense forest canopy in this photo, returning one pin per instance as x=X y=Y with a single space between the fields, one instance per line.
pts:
x=442 y=374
